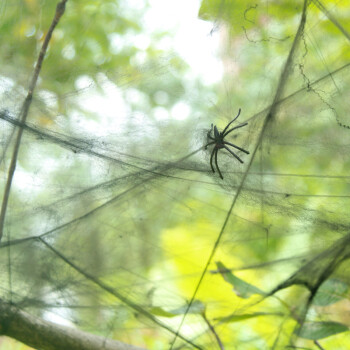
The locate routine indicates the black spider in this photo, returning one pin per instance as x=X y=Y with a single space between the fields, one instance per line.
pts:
x=219 y=142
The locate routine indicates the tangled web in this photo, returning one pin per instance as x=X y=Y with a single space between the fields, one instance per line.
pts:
x=116 y=224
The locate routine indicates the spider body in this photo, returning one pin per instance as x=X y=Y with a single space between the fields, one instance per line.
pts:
x=219 y=142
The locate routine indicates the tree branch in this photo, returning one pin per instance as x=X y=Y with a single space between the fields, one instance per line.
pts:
x=25 y=109
x=45 y=335
x=212 y=329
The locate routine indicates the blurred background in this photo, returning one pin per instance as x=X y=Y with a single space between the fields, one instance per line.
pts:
x=113 y=185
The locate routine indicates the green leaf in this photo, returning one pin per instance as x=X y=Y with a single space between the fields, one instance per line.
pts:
x=241 y=288
x=158 y=311
x=319 y=330
x=330 y=292
x=239 y=318
x=197 y=307
x=240 y=13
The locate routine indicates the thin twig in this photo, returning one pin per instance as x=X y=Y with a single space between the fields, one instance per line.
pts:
x=25 y=109
x=319 y=345
x=332 y=18
x=268 y=119
x=212 y=329
x=115 y=293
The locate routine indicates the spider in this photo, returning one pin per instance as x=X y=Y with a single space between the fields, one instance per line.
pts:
x=219 y=142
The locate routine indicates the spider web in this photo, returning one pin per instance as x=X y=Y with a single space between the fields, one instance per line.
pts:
x=116 y=224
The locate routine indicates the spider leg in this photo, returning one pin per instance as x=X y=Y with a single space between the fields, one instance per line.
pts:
x=211 y=159
x=211 y=129
x=231 y=144
x=235 y=155
x=236 y=127
x=239 y=112
x=209 y=133
x=208 y=144
x=216 y=163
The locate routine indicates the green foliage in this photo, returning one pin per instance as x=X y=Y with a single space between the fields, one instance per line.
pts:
x=241 y=288
x=330 y=292
x=197 y=307
x=239 y=318
x=245 y=15
x=320 y=330
x=130 y=198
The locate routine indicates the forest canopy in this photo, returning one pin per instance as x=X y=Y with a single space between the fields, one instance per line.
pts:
x=174 y=174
